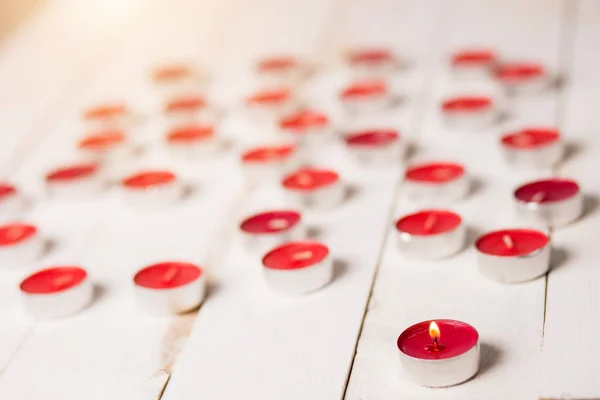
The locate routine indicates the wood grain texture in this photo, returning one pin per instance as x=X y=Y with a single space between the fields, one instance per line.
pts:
x=509 y=317
x=573 y=316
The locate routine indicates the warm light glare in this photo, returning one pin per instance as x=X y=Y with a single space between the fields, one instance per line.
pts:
x=434 y=331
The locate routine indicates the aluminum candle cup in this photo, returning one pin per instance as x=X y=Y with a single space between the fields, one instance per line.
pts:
x=75 y=181
x=178 y=79
x=193 y=142
x=188 y=110
x=12 y=203
x=430 y=234
x=473 y=63
x=523 y=77
x=106 y=146
x=279 y=71
x=19 y=244
x=438 y=181
x=533 y=147
x=107 y=117
x=314 y=188
x=270 y=104
x=372 y=63
x=265 y=231
x=469 y=112
x=151 y=189
x=170 y=287
x=513 y=255
x=376 y=147
x=269 y=163
x=439 y=353
x=56 y=292
x=551 y=202
x=297 y=268
x=366 y=96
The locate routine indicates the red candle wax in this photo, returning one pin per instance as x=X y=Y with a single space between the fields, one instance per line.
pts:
x=512 y=242
x=473 y=57
x=167 y=275
x=304 y=120
x=53 y=280
x=296 y=255
x=7 y=190
x=270 y=97
x=365 y=89
x=268 y=154
x=106 y=111
x=185 y=104
x=16 y=233
x=102 y=141
x=429 y=222
x=277 y=64
x=370 y=56
x=169 y=73
x=518 y=72
x=190 y=134
x=310 y=179
x=456 y=338
x=547 y=190
x=74 y=172
x=467 y=104
x=435 y=172
x=531 y=138
x=373 y=138
x=271 y=222
x=148 y=179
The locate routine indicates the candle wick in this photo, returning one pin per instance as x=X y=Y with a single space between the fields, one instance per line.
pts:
x=508 y=242
x=304 y=255
x=279 y=223
x=61 y=281
x=170 y=275
x=305 y=179
x=431 y=220
x=538 y=197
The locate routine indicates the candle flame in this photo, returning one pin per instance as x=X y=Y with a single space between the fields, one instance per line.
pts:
x=434 y=331
x=508 y=242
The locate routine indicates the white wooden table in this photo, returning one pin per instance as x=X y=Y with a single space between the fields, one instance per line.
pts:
x=538 y=338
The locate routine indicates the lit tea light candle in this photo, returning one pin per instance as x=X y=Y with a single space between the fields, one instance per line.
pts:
x=75 y=181
x=267 y=230
x=314 y=188
x=189 y=109
x=278 y=71
x=271 y=103
x=107 y=117
x=533 y=147
x=297 y=268
x=56 y=292
x=19 y=244
x=170 y=287
x=366 y=96
x=513 y=255
x=552 y=202
x=444 y=181
x=523 y=77
x=12 y=202
x=372 y=62
x=471 y=63
x=307 y=127
x=439 y=353
x=268 y=163
x=194 y=142
x=376 y=146
x=469 y=112
x=108 y=145
x=178 y=79
x=430 y=234
x=152 y=189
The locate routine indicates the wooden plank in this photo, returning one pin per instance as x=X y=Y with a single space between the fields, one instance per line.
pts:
x=277 y=347
x=509 y=317
x=572 y=314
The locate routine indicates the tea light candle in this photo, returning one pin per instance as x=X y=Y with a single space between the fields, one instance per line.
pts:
x=473 y=63
x=278 y=71
x=443 y=181
x=523 y=77
x=376 y=146
x=19 y=244
x=430 y=234
x=170 y=287
x=271 y=103
x=178 y=79
x=552 y=202
x=264 y=231
x=266 y=163
x=194 y=142
x=12 y=203
x=56 y=292
x=439 y=353
x=106 y=146
x=297 y=268
x=513 y=255
x=314 y=188
x=469 y=112
x=372 y=62
x=366 y=96
x=307 y=127
x=189 y=109
x=108 y=116
x=75 y=181
x=152 y=189
x=533 y=147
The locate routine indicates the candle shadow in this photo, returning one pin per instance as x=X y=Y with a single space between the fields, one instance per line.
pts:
x=476 y=187
x=572 y=150
x=471 y=236
x=50 y=246
x=98 y=292
x=189 y=190
x=590 y=205
x=340 y=268
x=351 y=192
x=490 y=357
x=314 y=232
x=558 y=258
